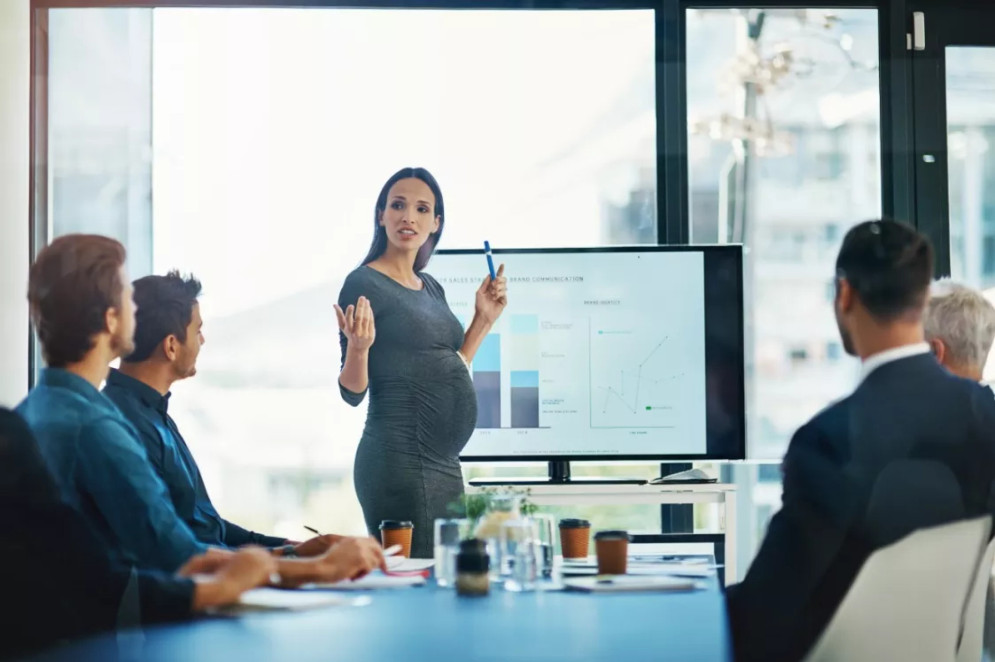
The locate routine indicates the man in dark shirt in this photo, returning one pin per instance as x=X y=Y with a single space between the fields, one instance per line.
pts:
x=168 y=338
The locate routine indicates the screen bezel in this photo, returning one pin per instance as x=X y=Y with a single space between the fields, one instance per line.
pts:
x=728 y=251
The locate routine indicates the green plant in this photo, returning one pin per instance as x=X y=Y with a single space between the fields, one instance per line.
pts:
x=469 y=506
x=474 y=506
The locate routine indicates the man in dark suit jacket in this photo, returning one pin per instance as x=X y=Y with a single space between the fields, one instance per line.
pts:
x=905 y=407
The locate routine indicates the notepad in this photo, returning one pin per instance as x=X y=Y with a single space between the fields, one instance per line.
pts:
x=628 y=583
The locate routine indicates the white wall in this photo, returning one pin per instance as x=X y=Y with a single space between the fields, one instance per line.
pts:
x=14 y=113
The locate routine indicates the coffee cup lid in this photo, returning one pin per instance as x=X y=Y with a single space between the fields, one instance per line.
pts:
x=574 y=524
x=396 y=524
x=611 y=535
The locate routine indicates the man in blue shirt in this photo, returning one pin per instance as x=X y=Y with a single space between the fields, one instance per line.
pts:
x=82 y=308
x=168 y=338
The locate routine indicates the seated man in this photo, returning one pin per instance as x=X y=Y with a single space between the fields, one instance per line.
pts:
x=960 y=326
x=60 y=582
x=81 y=305
x=168 y=338
x=906 y=406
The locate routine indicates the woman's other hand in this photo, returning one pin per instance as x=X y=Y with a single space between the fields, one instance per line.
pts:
x=356 y=322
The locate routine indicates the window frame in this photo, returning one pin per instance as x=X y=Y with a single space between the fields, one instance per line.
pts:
x=955 y=23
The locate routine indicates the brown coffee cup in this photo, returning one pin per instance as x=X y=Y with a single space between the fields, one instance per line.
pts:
x=575 y=537
x=397 y=532
x=613 y=551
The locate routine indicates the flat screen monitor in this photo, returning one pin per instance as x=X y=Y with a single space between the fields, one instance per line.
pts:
x=620 y=353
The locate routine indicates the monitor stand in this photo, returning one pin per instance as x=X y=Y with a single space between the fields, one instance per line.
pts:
x=559 y=474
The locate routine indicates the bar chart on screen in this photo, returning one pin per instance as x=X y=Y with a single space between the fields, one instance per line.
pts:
x=506 y=376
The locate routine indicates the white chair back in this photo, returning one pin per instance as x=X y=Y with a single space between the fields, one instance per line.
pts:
x=972 y=636
x=908 y=600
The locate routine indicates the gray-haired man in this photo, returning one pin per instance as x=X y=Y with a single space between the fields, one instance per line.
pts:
x=960 y=326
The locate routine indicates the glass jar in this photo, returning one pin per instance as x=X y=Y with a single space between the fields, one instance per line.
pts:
x=472 y=564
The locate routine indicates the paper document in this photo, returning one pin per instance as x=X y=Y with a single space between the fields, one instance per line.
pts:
x=266 y=599
x=626 y=583
x=401 y=564
x=673 y=569
x=374 y=580
x=642 y=569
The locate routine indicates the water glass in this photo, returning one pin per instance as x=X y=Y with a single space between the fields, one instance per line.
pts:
x=545 y=543
x=519 y=554
x=500 y=509
x=448 y=534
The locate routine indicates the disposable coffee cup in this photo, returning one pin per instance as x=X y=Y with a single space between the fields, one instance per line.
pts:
x=397 y=532
x=613 y=551
x=575 y=537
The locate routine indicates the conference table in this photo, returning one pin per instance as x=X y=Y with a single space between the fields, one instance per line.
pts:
x=431 y=623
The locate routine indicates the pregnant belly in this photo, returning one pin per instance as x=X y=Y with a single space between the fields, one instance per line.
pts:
x=436 y=415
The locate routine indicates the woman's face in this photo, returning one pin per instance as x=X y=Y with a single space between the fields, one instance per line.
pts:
x=409 y=218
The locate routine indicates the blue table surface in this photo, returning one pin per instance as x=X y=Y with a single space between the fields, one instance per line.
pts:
x=428 y=623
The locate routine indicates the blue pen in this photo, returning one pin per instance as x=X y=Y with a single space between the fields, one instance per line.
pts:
x=490 y=259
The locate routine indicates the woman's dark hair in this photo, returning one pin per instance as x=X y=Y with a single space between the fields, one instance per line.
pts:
x=379 y=244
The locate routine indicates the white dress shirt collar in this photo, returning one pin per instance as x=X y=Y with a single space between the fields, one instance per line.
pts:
x=875 y=361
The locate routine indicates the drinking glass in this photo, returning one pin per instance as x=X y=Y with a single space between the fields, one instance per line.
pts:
x=545 y=543
x=519 y=554
x=448 y=535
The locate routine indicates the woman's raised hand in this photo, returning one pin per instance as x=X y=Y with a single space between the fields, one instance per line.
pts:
x=356 y=322
x=492 y=296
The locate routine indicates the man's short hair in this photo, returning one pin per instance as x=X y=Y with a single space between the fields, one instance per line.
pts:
x=165 y=306
x=889 y=266
x=71 y=285
x=963 y=319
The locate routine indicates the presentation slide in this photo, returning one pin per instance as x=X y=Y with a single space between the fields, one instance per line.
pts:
x=597 y=353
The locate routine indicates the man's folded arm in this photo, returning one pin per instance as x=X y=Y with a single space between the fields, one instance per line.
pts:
x=236 y=536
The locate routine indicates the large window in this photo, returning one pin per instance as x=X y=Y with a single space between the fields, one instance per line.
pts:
x=970 y=104
x=272 y=131
x=99 y=127
x=784 y=155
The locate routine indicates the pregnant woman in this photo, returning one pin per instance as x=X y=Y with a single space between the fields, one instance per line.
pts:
x=414 y=362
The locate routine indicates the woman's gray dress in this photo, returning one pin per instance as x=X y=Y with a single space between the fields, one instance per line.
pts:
x=423 y=407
